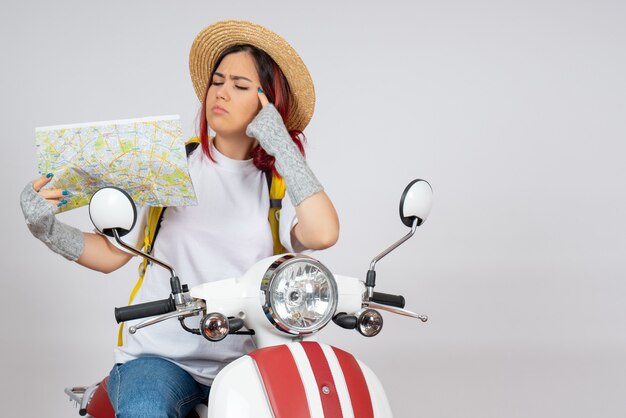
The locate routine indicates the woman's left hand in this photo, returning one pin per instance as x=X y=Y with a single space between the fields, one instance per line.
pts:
x=318 y=225
x=262 y=97
x=270 y=130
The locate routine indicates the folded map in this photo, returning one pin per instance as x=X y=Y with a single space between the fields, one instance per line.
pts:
x=146 y=157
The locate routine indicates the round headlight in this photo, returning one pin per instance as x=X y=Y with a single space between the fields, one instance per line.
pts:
x=300 y=294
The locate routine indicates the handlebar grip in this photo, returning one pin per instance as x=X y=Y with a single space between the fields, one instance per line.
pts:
x=144 y=310
x=387 y=299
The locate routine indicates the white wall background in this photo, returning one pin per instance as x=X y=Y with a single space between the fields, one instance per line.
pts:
x=514 y=111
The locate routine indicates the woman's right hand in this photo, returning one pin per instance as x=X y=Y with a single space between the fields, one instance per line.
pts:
x=38 y=209
x=56 y=197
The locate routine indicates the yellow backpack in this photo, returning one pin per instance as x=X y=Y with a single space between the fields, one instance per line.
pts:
x=276 y=187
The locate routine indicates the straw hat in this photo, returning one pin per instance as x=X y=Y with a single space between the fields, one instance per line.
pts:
x=214 y=39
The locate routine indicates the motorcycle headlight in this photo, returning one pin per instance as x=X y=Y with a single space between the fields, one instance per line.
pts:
x=300 y=294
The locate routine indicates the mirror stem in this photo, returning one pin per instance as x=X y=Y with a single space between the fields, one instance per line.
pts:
x=371 y=274
x=141 y=254
x=395 y=245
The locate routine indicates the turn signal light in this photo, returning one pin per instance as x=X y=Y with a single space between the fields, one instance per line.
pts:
x=214 y=326
x=369 y=322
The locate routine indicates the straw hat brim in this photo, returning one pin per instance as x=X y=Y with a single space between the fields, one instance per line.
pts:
x=214 y=39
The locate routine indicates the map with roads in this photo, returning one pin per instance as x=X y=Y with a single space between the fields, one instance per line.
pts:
x=146 y=157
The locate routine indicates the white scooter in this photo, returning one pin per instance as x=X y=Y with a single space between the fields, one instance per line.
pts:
x=283 y=302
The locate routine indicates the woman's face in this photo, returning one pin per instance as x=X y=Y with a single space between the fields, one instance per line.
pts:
x=232 y=99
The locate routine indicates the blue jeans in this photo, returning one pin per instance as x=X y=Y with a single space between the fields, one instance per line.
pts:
x=153 y=387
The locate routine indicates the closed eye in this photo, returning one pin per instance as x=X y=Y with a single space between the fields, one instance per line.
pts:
x=220 y=83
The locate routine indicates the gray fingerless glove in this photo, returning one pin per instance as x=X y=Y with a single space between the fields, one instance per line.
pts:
x=59 y=237
x=268 y=128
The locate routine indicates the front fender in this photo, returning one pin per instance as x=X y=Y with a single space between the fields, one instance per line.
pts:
x=305 y=379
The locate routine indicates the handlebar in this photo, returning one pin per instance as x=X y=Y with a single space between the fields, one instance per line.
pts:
x=388 y=299
x=144 y=310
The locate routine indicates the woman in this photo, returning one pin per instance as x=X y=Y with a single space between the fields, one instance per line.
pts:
x=256 y=96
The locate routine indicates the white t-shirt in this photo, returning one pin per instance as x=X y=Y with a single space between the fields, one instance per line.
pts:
x=221 y=237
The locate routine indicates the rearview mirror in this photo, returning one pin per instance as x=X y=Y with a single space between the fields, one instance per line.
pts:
x=112 y=208
x=415 y=206
x=416 y=202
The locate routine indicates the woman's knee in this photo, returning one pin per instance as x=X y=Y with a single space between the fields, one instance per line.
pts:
x=152 y=387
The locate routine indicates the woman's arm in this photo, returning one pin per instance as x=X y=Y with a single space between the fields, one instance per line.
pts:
x=101 y=255
x=318 y=224
x=87 y=249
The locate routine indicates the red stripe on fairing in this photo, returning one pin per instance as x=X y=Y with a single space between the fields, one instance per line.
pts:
x=323 y=377
x=357 y=386
x=282 y=382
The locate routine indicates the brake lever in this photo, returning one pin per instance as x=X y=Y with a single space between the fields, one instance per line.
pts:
x=399 y=311
x=190 y=309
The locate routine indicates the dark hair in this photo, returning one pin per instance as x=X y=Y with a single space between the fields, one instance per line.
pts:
x=275 y=87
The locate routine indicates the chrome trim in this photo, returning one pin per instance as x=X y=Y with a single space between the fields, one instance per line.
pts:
x=370 y=289
x=359 y=322
x=181 y=299
x=116 y=235
x=266 y=283
x=82 y=395
x=191 y=309
x=398 y=311
x=207 y=317
x=394 y=245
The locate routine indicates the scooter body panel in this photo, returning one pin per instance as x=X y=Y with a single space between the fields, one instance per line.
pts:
x=306 y=379
x=237 y=392
x=380 y=403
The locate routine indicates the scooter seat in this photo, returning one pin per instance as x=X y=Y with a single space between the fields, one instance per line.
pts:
x=100 y=405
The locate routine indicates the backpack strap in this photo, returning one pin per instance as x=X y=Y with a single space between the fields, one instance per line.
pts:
x=276 y=186
x=191 y=145
x=155 y=215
